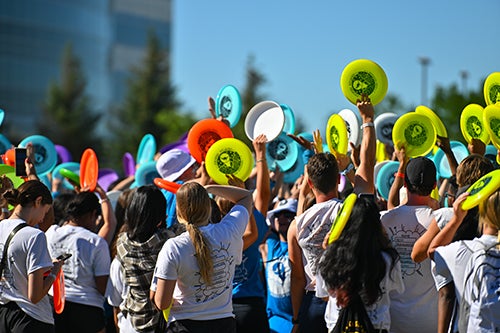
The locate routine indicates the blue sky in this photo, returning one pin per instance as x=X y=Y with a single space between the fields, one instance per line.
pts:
x=303 y=46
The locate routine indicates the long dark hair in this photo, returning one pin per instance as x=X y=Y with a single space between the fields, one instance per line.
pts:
x=146 y=213
x=353 y=264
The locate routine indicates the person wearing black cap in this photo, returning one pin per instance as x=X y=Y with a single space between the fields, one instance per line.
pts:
x=414 y=310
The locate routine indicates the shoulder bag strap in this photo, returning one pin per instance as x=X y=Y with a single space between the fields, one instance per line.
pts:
x=6 y=246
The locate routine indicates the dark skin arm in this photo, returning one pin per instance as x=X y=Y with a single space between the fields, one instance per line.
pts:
x=446 y=301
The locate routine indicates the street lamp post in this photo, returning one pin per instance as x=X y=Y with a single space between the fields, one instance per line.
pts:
x=424 y=61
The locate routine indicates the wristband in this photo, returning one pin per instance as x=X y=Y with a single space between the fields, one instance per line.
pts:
x=349 y=168
x=261 y=160
x=399 y=174
x=370 y=124
x=103 y=200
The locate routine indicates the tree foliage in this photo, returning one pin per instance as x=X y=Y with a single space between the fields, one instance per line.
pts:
x=68 y=118
x=448 y=103
x=150 y=105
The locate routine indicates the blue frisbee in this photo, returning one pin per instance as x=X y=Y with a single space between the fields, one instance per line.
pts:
x=491 y=154
x=385 y=178
x=4 y=144
x=282 y=152
x=289 y=126
x=442 y=166
x=147 y=149
x=146 y=173
x=228 y=104
x=2 y=115
x=45 y=153
x=71 y=166
x=296 y=170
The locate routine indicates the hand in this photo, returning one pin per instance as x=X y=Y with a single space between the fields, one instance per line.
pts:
x=5 y=184
x=365 y=107
x=235 y=181
x=259 y=146
x=211 y=109
x=443 y=143
x=343 y=161
x=302 y=141
x=401 y=154
x=318 y=141
x=457 y=206
x=476 y=146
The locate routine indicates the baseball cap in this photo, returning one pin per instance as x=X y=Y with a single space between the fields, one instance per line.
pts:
x=285 y=204
x=420 y=173
x=172 y=164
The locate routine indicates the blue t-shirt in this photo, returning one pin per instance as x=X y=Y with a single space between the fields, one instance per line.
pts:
x=278 y=272
x=247 y=278
x=171 y=210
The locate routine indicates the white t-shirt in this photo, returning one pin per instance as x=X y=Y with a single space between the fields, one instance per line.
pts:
x=192 y=298
x=312 y=227
x=414 y=310
x=90 y=259
x=450 y=261
x=27 y=253
x=379 y=311
x=443 y=216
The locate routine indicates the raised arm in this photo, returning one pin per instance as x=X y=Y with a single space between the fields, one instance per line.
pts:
x=393 y=200
x=262 y=193
x=445 y=236
x=107 y=230
x=235 y=194
x=363 y=181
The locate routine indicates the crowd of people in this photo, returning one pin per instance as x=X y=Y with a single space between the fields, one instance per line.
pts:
x=256 y=255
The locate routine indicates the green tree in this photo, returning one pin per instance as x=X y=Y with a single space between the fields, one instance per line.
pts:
x=392 y=103
x=448 y=103
x=67 y=115
x=150 y=105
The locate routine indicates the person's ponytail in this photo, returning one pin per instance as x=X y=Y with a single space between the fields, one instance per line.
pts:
x=203 y=252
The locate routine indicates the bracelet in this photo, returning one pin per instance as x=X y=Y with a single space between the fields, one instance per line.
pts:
x=349 y=168
x=399 y=174
x=103 y=200
x=370 y=124
x=261 y=160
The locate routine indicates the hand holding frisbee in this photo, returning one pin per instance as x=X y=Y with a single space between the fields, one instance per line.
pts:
x=203 y=134
x=342 y=218
x=482 y=189
x=471 y=124
x=491 y=120
x=336 y=135
x=415 y=132
x=229 y=156
x=266 y=118
x=228 y=105
x=89 y=170
x=491 y=88
x=436 y=121
x=364 y=76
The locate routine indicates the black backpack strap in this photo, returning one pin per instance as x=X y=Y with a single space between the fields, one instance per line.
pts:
x=6 y=246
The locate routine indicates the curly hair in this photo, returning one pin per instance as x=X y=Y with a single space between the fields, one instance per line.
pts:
x=323 y=171
x=354 y=264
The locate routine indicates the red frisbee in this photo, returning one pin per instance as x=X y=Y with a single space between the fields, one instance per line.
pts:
x=167 y=185
x=89 y=170
x=205 y=133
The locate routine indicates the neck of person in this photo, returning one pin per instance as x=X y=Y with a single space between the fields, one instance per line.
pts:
x=417 y=200
x=22 y=214
x=324 y=197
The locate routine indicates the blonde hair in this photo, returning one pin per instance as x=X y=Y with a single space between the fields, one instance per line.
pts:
x=194 y=210
x=489 y=211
